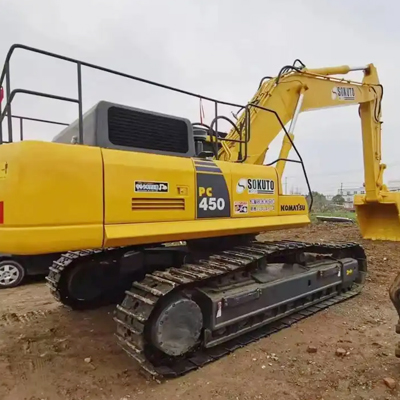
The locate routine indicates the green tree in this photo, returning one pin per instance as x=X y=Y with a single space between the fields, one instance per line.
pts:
x=320 y=201
x=338 y=199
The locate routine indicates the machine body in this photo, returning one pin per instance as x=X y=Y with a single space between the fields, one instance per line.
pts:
x=161 y=215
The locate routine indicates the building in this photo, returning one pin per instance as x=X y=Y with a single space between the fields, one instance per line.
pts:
x=349 y=193
x=394 y=186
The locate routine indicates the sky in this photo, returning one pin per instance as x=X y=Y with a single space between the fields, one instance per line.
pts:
x=219 y=48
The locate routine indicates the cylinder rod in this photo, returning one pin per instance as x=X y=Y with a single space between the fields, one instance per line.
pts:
x=296 y=111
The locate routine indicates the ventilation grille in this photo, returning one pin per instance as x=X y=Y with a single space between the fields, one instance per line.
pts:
x=158 y=204
x=133 y=128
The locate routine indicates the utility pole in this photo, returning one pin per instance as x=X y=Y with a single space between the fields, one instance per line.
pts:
x=341 y=189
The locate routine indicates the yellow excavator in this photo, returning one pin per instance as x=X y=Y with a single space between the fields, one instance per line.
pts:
x=160 y=215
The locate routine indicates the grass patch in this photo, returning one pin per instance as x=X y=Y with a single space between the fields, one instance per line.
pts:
x=338 y=213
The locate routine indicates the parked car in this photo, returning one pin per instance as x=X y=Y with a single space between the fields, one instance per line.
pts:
x=14 y=269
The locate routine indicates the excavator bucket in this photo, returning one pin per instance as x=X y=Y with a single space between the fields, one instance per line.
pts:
x=379 y=220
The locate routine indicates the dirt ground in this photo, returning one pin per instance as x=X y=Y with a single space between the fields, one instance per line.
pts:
x=43 y=347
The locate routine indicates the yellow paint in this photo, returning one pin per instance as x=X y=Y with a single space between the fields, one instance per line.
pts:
x=53 y=197
x=124 y=234
x=3 y=170
x=69 y=214
x=379 y=220
x=60 y=197
x=292 y=205
x=205 y=191
x=123 y=168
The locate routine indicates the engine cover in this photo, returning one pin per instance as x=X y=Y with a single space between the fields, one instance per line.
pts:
x=116 y=126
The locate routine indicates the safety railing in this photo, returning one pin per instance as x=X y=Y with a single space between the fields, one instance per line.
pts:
x=44 y=121
x=244 y=131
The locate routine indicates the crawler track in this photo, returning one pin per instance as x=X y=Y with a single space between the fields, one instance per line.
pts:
x=134 y=313
x=56 y=278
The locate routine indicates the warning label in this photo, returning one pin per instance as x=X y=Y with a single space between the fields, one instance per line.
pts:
x=241 y=207
x=151 y=187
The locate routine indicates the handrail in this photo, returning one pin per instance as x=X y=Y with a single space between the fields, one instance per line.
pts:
x=5 y=75
x=22 y=119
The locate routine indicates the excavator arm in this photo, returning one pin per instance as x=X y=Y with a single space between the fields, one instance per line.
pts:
x=300 y=90
x=280 y=100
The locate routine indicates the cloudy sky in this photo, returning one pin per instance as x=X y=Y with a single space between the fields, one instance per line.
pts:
x=219 y=48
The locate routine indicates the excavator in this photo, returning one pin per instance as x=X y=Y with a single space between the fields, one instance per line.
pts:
x=162 y=216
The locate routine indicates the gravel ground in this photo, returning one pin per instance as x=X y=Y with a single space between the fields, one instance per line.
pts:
x=346 y=352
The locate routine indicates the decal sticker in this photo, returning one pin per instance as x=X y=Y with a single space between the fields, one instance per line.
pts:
x=212 y=196
x=262 y=201
x=241 y=186
x=261 y=208
x=219 y=309
x=260 y=186
x=262 y=205
x=241 y=207
x=293 y=207
x=256 y=186
x=343 y=93
x=212 y=203
x=151 y=187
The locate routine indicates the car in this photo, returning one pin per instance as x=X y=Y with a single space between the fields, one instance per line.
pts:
x=14 y=269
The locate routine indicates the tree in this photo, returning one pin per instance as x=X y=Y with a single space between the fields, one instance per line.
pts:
x=320 y=201
x=338 y=199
